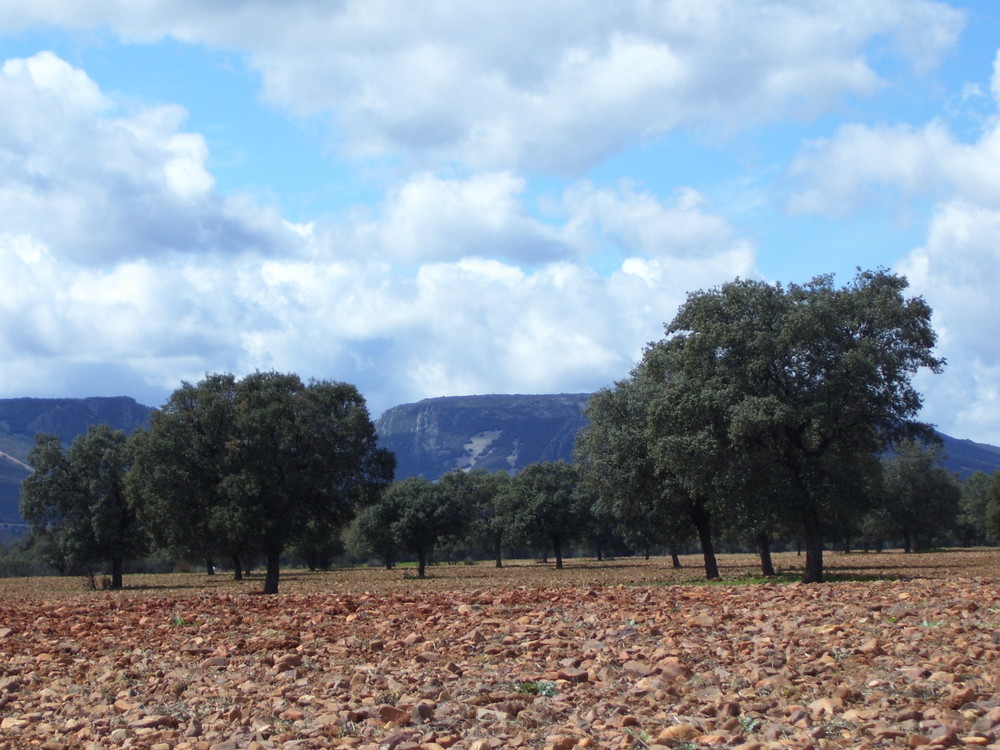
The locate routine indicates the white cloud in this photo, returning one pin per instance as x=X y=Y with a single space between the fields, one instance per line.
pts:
x=958 y=271
x=957 y=268
x=100 y=185
x=553 y=86
x=125 y=272
x=843 y=173
x=645 y=224
x=431 y=218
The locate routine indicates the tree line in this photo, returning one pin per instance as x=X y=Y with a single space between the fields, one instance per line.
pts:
x=766 y=414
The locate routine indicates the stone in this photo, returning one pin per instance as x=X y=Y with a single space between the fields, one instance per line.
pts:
x=396 y=715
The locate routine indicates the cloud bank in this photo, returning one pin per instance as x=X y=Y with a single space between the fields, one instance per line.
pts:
x=957 y=268
x=118 y=250
x=495 y=260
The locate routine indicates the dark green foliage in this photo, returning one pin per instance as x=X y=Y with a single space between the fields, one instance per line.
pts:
x=413 y=515
x=256 y=464
x=920 y=500
x=613 y=454
x=545 y=504
x=27 y=555
x=318 y=544
x=370 y=533
x=76 y=500
x=477 y=492
x=973 y=525
x=993 y=506
x=423 y=516
x=771 y=400
x=179 y=466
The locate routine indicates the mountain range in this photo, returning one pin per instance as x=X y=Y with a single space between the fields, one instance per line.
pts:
x=430 y=437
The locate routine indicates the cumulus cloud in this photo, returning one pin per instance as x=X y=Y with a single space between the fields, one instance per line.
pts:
x=521 y=85
x=100 y=184
x=958 y=271
x=844 y=172
x=957 y=268
x=125 y=271
x=428 y=217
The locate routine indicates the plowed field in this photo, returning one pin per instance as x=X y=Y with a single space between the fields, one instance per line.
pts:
x=896 y=651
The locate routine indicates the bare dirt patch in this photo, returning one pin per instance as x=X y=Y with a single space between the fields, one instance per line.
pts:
x=613 y=655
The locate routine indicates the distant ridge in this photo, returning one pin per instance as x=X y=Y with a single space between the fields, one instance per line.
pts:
x=963 y=457
x=493 y=433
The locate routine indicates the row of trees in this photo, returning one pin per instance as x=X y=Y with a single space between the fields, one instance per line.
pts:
x=104 y=510
x=229 y=467
x=544 y=507
x=765 y=413
x=549 y=508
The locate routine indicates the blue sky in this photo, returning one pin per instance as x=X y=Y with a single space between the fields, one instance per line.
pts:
x=449 y=198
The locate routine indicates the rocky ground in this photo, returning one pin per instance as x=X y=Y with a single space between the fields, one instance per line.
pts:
x=548 y=663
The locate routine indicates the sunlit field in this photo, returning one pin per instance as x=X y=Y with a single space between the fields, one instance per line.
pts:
x=895 y=651
x=579 y=572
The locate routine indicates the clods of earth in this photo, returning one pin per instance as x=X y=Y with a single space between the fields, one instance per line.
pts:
x=841 y=665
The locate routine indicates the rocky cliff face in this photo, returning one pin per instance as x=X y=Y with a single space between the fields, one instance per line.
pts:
x=493 y=433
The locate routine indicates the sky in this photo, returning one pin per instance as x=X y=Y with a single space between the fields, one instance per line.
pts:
x=445 y=198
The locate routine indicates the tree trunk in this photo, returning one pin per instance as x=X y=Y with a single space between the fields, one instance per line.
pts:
x=814 y=551
x=675 y=558
x=907 y=543
x=209 y=566
x=497 y=555
x=116 y=572
x=271 y=577
x=422 y=563
x=764 y=547
x=557 y=551
x=237 y=568
x=702 y=520
x=600 y=556
x=646 y=552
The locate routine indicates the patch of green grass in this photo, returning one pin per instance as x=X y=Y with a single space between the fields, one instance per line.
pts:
x=539 y=687
x=749 y=723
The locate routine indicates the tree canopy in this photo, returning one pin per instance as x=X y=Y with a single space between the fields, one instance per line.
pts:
x=255 y=463
x=770 y=404
x=77 y=499
x=545 y=505
x=919 y=498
